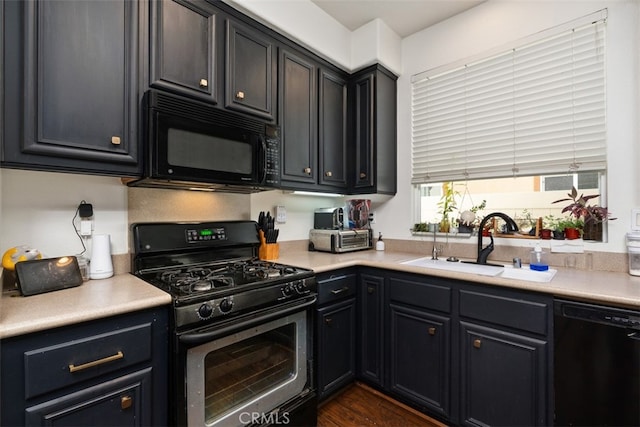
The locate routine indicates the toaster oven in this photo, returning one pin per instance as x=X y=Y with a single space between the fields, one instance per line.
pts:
x=339 y=241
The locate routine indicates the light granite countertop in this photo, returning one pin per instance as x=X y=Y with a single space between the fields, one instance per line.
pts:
x=620 y=289
x=125 y=293
x=94 y=299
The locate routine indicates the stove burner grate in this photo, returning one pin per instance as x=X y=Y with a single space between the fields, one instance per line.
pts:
x=203 y=278
x=197 y=279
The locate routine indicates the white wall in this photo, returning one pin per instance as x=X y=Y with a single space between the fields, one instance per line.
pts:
x=496 y=23
x=310 y=26
x=304 y=22
x=37 y=209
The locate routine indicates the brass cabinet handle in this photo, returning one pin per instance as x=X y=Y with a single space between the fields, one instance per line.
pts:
x=307 y=171
x=432 y=331
x=477 y=343
x=370 y=289
x=204 y=83
x=328 y=174
x=339 y=291
x=328 y=321
x=363 y=175
x=126 y=402
x=240 y=95
x=74 y=368
x=115 y=140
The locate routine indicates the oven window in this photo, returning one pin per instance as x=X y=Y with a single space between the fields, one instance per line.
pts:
x=198 y=150
x=241 y=372
x=251 y=371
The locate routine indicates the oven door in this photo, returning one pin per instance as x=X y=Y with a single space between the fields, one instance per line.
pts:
x=242 y=377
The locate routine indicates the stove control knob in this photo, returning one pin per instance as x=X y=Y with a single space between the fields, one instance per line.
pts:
x=226 y=305
x=205 y=311
x=287 y=290
x=301 y=287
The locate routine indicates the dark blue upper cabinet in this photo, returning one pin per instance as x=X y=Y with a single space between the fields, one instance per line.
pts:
x=250 y=71
x=74 y=103
x=183 y=47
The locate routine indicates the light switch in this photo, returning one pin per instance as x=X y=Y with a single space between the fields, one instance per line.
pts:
x=281 y=214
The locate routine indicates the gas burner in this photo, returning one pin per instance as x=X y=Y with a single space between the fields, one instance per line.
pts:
x=197 y=279
x=202 y=285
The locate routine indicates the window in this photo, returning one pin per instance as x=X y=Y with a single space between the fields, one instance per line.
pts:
x=585 y=180
x=527 y=122
x=517 y=197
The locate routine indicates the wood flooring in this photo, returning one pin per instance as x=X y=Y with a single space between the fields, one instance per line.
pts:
x=362 y=406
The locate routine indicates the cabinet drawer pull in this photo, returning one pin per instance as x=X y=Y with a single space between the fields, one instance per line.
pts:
x=477 y=343
x=328 y=174
x=339 y=291
x=115 y=140
x=432 y=331
x=126 y=402
x=363 y=175
x=307 y=171
x=328 y=321
x=204 y=83
x=370 y=289
x=74 y=368
x=240 y=95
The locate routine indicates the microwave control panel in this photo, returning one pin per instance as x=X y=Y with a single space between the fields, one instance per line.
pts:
x=272 y=166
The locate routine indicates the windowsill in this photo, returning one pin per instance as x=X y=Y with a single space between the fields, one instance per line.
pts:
x=556 y=246
x=439 y=234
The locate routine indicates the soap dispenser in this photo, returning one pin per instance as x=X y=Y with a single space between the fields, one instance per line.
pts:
x=380 y=243
x=538 y=259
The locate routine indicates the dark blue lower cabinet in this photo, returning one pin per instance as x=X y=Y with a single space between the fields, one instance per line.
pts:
x=106 y=372
x=420 y=358
x=120 y=402
x=461 y=352
x=371 y=329
x=336 y=331
x=336 y=341
x=503 y=378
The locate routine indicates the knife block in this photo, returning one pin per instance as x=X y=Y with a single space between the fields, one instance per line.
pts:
x=268 y=251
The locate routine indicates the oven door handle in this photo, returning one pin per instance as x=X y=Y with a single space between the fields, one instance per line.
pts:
x=216 y=332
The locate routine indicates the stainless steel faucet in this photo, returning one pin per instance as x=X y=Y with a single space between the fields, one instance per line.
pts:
x=434 y=251
x=483 y=253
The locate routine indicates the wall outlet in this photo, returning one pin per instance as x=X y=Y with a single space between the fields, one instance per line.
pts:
x=85 y=227
x=372 y=217
x=281 y=214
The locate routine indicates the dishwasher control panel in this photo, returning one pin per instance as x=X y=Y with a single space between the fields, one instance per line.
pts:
x=600 y=314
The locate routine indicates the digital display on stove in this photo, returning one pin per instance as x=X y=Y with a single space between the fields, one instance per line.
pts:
x=205 y=234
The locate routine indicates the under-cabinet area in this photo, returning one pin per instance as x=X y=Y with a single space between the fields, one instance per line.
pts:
x=114 y=370
x=463 y=353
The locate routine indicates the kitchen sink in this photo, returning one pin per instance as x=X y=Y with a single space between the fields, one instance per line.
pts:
x=526 y=274
x=506 y=271
x=440 y=264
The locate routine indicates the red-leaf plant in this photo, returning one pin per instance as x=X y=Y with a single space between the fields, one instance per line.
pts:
x=580 y=209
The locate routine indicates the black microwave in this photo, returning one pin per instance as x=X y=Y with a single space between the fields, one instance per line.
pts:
x=190 y=144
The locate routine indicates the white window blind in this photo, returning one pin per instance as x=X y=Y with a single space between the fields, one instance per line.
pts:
x=535 y=109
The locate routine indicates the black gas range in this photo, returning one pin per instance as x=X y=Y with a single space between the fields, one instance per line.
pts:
x=212 y=271
x=241 y=336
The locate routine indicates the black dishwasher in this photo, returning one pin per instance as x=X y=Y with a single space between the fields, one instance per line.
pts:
x=597 y=365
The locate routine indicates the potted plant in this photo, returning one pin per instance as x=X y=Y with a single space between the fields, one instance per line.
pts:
x=571 y=227
x=469 y=218
x=527 y=222
x=446 y=204
x=556 y=226
x=592 y=216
